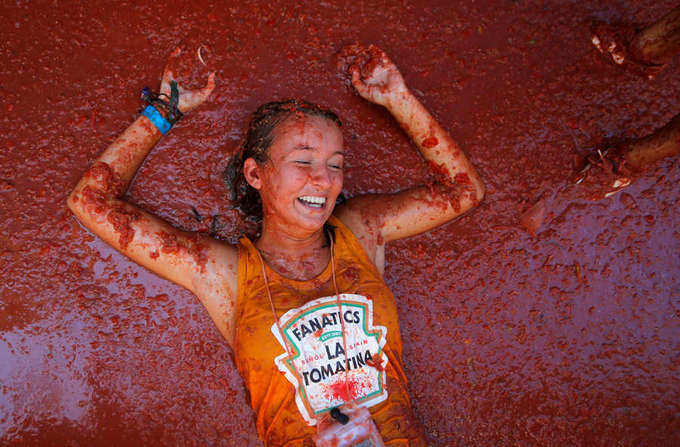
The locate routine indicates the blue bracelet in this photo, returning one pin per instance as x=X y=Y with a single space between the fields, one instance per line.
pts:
x=157 y=119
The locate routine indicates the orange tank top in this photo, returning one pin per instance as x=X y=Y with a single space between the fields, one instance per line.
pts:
x=290 y=386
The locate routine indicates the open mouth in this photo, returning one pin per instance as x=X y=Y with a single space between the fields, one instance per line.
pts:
x=313 y=202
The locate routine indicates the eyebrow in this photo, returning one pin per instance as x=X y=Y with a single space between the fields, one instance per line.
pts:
x=304 y=147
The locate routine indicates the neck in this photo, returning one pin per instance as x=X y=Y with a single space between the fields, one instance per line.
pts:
x=279 y=239
x=295 y=256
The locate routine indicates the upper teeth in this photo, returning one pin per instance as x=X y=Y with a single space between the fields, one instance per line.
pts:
x=311 y=199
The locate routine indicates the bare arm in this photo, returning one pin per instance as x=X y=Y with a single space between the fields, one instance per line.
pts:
x=377 y=219
x=608 y=172
x=200 y=264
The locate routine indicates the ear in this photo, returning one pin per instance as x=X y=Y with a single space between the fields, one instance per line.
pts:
x=251 y=173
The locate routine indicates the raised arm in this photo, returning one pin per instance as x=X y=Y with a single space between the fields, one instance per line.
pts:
x=377 y=219
x=200 y=264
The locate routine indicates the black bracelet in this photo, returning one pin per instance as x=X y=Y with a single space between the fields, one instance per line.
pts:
x=169 y=105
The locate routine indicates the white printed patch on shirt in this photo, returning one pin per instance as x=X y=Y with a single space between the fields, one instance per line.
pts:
x=323 y=376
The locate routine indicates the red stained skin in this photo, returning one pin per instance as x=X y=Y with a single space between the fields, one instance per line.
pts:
x=462 y=179
x=443 y=190
x=430 y=142
x=438 y=169
x=121 y=218
x=108 y=181
x=171 y=244
x=97 y=198
x=94 y=200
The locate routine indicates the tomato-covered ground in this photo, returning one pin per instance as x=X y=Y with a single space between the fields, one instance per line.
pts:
x=570 y=337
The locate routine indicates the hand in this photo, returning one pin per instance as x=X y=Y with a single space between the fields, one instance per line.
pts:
x=374 y=75
x=188 y=99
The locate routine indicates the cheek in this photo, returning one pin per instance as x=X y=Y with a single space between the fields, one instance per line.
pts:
x=296 y=179
x=338 y=179
x=286 y=181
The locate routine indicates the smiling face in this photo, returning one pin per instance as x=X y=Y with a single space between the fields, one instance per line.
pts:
x=302 y=178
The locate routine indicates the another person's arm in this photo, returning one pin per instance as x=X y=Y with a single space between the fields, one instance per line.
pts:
x=380 y=218
x=662 y=143
x=607 y=172
x=200 y=264
x=644 y=49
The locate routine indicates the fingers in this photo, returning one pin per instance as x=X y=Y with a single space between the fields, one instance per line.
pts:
x=209 y=87
x=368 y=60
x=211 y=83
x=188 y=98
x=352 y=55
x=357 y=82
x=167 y=71
x=176 y=52
x=356 y=74
x=378 y=54
x=165 y=82
x=191 y=99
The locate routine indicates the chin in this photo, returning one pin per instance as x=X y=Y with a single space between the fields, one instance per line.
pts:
x=300 y=219
x=313 y=225
x=313 y=220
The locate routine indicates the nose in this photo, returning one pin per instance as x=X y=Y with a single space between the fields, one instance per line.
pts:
x=320 y=177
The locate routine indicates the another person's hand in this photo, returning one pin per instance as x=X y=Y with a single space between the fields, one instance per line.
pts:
x=188 y=99
x=374 y=75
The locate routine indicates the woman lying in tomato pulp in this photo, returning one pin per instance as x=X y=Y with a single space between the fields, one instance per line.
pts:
x=312 y=324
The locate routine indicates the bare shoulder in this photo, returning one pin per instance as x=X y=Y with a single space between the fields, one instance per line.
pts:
x=365 y=225
x=216 y=287
x=222 y=261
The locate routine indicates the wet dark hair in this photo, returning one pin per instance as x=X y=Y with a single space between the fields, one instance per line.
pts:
x=259 y=137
